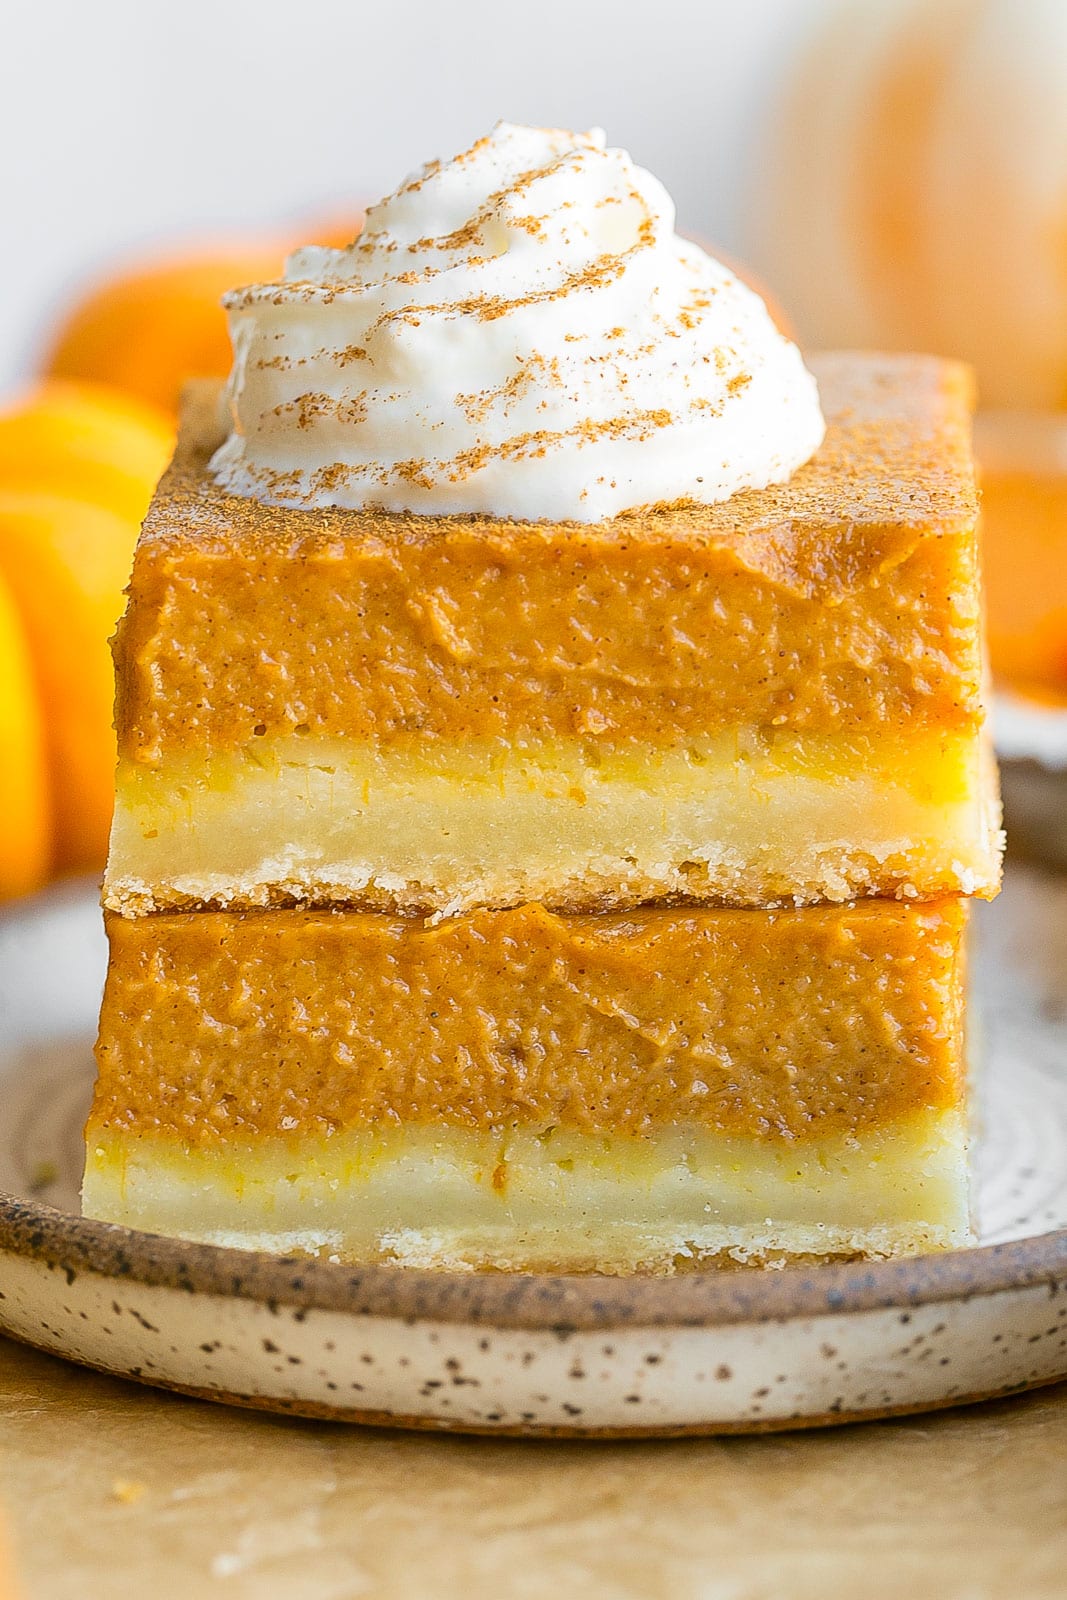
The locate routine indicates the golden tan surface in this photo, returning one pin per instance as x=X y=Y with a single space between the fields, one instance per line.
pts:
x=773 y=1025
x=845 y=599
x=232 y=1505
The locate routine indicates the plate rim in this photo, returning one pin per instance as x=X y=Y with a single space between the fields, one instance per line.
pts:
x=530 y=1302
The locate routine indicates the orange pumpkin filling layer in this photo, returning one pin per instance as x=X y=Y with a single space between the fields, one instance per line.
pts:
x=845 y=598
x=783 y=1025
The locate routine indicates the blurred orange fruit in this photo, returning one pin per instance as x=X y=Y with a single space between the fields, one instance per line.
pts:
x=25 y=838
x=1023 y=463
x=86 y=442
x=78 y=463
x=66 y=562
x=149 y=328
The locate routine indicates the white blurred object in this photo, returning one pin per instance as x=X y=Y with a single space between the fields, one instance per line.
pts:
x=1031 y=742
x=916 y=188
x=1026 y=730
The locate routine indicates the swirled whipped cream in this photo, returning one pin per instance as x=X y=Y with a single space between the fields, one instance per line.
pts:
x=518 y=332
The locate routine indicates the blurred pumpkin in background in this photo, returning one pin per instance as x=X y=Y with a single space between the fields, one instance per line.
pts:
x=25 y=838
x=78 y=463
x=915 y=188
x=149 y=327
x=84 y=441
x=914 y=196
x=1023 y=456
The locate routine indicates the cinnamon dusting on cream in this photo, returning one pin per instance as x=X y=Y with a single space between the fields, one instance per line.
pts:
x=517 y=332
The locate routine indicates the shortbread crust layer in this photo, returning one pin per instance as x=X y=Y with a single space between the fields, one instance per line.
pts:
x=556 y=1199
x=749 y=818
x=632 y=1085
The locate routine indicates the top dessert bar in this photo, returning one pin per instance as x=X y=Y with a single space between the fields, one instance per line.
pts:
x=778 y=698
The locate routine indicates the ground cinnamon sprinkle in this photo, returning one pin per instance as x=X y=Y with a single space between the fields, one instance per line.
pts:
x=471 y=231
x=307 y=409
x=278 y=483
x=640 y=425
x=535 y=371
x=430 y=170
x=414 y=471
x=606 y=269
x=328 y=480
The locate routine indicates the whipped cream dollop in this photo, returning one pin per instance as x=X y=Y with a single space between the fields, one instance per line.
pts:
x=518 y=332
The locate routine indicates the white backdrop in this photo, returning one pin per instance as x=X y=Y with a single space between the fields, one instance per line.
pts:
x=123 y=122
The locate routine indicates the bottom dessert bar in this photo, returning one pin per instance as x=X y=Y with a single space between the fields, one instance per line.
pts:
x=523 y=1089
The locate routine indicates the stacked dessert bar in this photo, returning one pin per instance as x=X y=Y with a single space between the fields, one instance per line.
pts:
x=550 y=893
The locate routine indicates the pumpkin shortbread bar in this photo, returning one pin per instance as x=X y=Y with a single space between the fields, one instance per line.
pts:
x=774 y=699
x=523 y=1088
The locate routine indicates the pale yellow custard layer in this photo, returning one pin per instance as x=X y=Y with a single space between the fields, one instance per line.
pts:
x=749 y=817
x=451 y=1198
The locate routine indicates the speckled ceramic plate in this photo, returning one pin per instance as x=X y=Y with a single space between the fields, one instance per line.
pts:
x=699 y=1353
